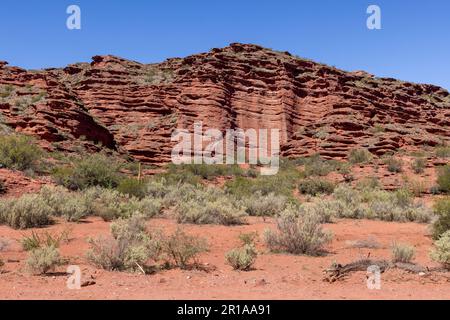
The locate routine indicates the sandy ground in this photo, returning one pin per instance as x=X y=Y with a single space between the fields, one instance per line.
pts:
x=276 y=276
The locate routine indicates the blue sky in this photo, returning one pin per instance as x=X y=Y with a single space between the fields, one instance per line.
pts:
x=413 y=45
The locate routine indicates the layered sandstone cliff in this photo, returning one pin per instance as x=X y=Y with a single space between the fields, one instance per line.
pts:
x=133 y=108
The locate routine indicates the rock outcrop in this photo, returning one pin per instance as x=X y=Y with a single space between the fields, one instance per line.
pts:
x=133 y=108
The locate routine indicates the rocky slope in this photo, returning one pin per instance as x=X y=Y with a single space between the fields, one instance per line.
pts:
x=133 y=108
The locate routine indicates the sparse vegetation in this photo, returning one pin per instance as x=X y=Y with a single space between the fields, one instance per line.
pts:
x=402 y=253
x=28 y=211
x=443 y=151
x=244 y=257
x=268 y=205
x=443 y=179
x=43 y=259
x=297 y=234
x=89 y=171
x=393 y=164
x=19 y=152
x=129 y=247
x=132 y=187
x=183 y=249
x=315 y=186
x=44 y=239
x=359 y=156
x=441 y=253
x=418 y=165
x=442 y=223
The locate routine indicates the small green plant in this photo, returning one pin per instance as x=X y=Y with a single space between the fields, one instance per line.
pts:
x=418 y=165
x=441 y=253
x=43 y=259
x=315 y=186
x=19 y=152
x=359 y=156
x=402 y=253
x=443 y=179
x=37 y=240
x=242 y=258
x=183 y=249
x=442 y=223
x=393 y=164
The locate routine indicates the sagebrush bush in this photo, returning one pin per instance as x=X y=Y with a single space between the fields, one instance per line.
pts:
x=206 y=171
x=219 y=210
x=442 y=211
x=133 y=187
x=393 y=164
x=69 y=205
x=402 y=253
x=111 y=204
x=418 y=165
x=28 y=211
x=92 y=170
x=359 y=156
x=43 y=260
x=129 y=248
x=368 y=183
x=19 y=152
x=441 y=253
x=183 y=249
x=297 y=234
x=268 y=205
x=443 y=179
x=315 y=186
x=378 y=204
x=315 y=166
x=242 y=258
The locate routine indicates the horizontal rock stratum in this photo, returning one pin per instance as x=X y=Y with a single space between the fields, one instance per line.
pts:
x=133 y=107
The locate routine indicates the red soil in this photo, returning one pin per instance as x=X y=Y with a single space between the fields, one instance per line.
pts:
x=276 y=276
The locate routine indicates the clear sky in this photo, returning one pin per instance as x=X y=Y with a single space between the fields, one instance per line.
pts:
x=413 y=45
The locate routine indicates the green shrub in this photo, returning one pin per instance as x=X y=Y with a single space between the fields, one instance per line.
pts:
x=132 y=187
x=129 y=247
x=43 y=260
x=111 y=204
x=393 y=164
x=443 y=151
x=92 y=170
x=418 y=165
x=315 y=186
x=183 y=249
x=402 y=253
x=268 y=205
x=216 y=210
x=19 y=152
x=37 y=240
x=442 y=211
x=28 y=211
x=357 y=156
x=315 y=166
x=301 y=234
x=443 y=179
x=368 y=183
x=69 y=205
x=441 y=253
x=242 y=258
